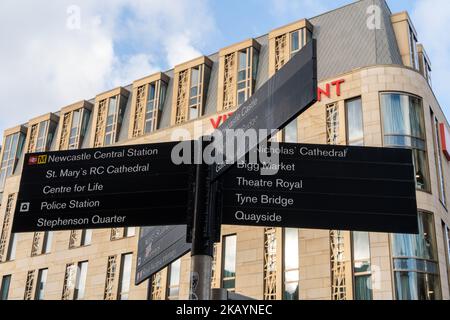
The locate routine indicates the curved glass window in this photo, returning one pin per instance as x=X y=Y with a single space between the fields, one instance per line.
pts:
x=416 y=270
x=403 y=125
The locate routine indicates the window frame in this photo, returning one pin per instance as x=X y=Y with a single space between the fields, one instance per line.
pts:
x=223 y=261
x=383 y=134
x=393 y=258
x=347 y=131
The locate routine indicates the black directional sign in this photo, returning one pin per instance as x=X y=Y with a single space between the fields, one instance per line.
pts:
x=324 y=187
x=289 y=93
x=159 y=247
x=102 y=188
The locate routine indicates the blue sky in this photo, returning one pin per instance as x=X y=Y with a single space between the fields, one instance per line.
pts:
x=55 y=53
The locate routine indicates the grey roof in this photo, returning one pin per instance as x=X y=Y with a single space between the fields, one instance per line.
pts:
x=345 y=42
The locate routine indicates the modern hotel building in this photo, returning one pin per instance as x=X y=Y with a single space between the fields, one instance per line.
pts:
x=375 y=89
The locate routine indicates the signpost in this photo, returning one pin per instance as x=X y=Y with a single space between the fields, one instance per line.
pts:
x=159 y=247
x=325 y=187
x=313 y=186
x=103 y=188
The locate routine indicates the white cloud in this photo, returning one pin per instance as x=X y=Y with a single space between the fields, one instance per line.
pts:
x=47 y=62
x=431 y=17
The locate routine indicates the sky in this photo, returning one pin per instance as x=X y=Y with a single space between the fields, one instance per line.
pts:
x=55 y=53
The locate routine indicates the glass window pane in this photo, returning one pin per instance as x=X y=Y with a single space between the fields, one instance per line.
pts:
x=363 y=288
x=81 y=281
x=86 y=237
x=242 y=60
x=291 y=133
x=4 y=290
x=40 y=284
x=361 y=246
x=229 y=261
x=291 y=254
x=195 y=77
x=48 y=239
x=291 y=291
x=295 y=41
x=355 y=127
x=241 y=97
x=11 y=254
x=125 y=276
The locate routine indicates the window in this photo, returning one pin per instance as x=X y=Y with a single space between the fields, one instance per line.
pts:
x=129 y=232
x=40 y=284
x=80 y=285
x=4 y=289
x=438 y=158
x=299 y=39
x=125 y=276
x=290 y=133
x=11 y=255
x=229 y=263
x=153 y=106
x=238 y=87
x=195 y=93
x=446 y=233
x=355 y=126
x=403 y=126
x=111 y=120
x=416 y=270
x=291 y=265
x=78 y=126
x=12 y=151
x=173 y=280
x=413 y=49
x=243 y=76
x=47 y=243
x=362 y=266
x=41 y=136
x=86 y=237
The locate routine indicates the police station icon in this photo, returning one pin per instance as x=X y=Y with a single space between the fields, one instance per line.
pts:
x=24 y=207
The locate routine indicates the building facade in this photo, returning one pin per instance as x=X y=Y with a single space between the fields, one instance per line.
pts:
x=375 y=89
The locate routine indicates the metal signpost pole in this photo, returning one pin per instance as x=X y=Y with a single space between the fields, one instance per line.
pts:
x=202 y=242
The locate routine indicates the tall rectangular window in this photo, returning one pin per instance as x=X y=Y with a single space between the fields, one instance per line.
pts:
x=40 y=284
x=111 y=120
x=290 y=133
x=298 y=40
x=229 y=263
x=438 y=158
x=239 y=76
x=413 y=49
x=291 y=265
x=4 y=289
x=41 y=135
x=416 y=267
x=125 y=276
x=86 y=237
x=80 y=284
x=47 y=242
x=78 y=128
x=403 y=126
x=12 y=151
x=355 y=125
x=195 y=93
x=446 y=233
x=173 y=280
x=11 y=255
x=362 y=266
